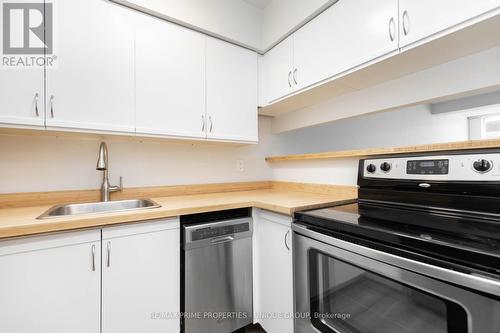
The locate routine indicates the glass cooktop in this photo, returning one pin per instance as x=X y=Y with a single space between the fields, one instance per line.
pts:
x=467 y=240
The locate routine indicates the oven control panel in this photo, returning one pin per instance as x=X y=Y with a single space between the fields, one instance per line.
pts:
x=428 y=167
x=467 y=167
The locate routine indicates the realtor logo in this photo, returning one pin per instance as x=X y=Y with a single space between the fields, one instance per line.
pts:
x=27 y=34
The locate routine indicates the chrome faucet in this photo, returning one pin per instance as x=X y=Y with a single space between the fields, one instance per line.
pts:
x=102 y=165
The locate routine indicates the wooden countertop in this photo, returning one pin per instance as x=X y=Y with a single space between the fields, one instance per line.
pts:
x=15 y=222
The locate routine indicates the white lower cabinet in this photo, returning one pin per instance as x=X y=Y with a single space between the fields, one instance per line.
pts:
x=273 y=272
x=51 y=284
x=141 y=278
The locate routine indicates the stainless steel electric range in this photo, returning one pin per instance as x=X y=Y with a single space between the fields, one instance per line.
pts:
x=418 y=252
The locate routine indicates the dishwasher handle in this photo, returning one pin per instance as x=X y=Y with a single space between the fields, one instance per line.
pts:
x=224 y=239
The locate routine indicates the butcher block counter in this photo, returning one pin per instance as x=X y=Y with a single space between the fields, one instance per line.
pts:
x=18 y=220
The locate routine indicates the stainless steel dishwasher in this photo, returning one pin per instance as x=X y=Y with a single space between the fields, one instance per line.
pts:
x=217 y=274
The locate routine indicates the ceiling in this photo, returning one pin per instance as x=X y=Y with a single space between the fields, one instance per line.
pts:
x=259 y=3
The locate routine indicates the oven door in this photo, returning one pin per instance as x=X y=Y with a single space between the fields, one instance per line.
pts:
x=343 y=287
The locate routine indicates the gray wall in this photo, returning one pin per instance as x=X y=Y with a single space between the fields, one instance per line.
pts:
x=410 y=126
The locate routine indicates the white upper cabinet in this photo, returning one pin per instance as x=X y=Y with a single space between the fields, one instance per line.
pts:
x=277 y=71
x=22 y=97
x=141 y=278
x=360 y=31
x=424 y=18
x=21 y=87
x=121 y=71
x=312 y=53
x=92 y=85
x=346 y=35
x=170 y=79
x=51 y=283
x=232 y=92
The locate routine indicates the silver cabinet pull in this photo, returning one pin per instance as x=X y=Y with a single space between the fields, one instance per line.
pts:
x=295 y=76
x=211 y=124
x=203 y=123
x=286 y=243
x=406 y=23
x=51 y=106
x=392 y=29
x=290 y=79
x=93 y=258
x=108 y=262
x=36 y=105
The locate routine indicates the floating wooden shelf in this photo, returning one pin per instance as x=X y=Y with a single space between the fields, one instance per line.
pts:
x=447 y=146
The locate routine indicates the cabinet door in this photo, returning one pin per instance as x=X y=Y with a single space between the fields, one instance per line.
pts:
x=312 y=53
x=170 y=74
x=423 y=18
x=354 y=32
x=141 y=278
x=21 y=97
x=51 y=284
x=232 y=92
x=91 y=86
x=273 y=271
x=277 y=71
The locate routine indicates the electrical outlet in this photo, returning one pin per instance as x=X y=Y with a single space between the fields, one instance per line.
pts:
x=240 y=165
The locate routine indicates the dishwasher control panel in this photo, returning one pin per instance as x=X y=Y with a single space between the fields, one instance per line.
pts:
x=218 y=231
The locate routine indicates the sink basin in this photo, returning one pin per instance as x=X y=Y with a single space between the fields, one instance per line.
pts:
x=98 y=207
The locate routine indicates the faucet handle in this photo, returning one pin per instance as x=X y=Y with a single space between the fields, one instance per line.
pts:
x=117 y=188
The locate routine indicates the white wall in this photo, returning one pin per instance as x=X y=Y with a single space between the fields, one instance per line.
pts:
x=282 y=16
x=235 y=20
x=48 y=163
x=409 y=126
x=257 y=26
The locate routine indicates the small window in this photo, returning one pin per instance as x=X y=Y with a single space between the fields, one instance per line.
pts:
x=484 y=127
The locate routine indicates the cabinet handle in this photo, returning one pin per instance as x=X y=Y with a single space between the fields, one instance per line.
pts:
x=51 y=106
x=295 y=76
x=286 y=244
x=392 y=29
x=93 y=258
x=211 y=124
x=289 y=79
x=406 y=23
x=203 y=123
x=36 y=105
x=108 y=262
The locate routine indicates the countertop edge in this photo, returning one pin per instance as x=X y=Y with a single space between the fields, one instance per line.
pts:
x=93 y=221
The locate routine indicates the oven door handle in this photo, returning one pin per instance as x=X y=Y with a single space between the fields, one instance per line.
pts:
x=476 y=282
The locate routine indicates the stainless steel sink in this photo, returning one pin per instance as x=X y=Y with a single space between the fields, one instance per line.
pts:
x=98 y=207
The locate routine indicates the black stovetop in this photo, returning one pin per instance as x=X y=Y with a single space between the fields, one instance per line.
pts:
x=463 y=241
